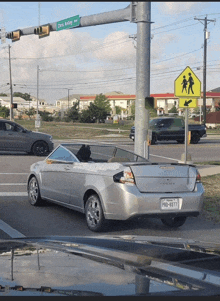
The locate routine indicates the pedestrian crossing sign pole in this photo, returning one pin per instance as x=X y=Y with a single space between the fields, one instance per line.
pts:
x=187 y=87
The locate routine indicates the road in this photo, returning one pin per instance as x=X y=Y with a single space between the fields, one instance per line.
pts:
x=18 y=218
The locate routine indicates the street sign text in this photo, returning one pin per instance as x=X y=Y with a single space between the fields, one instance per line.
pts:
x=68 y=23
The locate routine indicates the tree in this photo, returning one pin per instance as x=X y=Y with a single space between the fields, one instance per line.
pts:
x=30 y=112
x=46 y=116
x=3 y=94
x=102 y=102
x=4 y=111
x=101 y=107
x=173 y=110
x=133 y=111
x=118 y=110
x=93 y=114
x=86 y=117
x=73 y=112
x=25 y=96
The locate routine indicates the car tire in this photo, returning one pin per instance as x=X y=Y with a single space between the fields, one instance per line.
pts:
x=94 y=214
x=174 y=222
x=40 y=148
x=195 y=138
x=154 y=139
x=34 y=196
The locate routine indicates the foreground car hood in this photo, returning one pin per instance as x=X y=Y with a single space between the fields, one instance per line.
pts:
x=107 y=265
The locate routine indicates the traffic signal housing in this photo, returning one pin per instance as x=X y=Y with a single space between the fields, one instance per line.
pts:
x=149 y=103
x=14 y=35
x=14 y=105
x=42 y=31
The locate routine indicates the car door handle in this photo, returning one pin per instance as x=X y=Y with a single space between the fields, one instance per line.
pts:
x=9 y=134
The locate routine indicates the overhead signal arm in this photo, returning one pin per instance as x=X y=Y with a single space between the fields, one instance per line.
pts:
x=120 y=15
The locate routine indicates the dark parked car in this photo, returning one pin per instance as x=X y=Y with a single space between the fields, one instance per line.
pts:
x=14 y=137
x=167 y=128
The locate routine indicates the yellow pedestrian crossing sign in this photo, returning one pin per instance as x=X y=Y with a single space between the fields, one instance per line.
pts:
x=188 y=102
x=187 y=84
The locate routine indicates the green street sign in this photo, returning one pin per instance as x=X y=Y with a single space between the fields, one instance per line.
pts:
x=68 y=23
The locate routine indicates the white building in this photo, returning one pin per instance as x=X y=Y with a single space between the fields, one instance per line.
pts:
x=24 y=105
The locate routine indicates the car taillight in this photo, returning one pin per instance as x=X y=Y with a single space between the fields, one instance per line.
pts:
x=198 y=177
x=124 y=177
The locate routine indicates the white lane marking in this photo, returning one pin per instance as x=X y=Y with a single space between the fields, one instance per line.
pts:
x=10 y=231
x=13 y=194
x=165 y=157
x=13 y=173
x=2 y=184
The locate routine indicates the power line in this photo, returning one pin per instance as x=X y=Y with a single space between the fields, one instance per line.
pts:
x=171 y=24
x=176 y=28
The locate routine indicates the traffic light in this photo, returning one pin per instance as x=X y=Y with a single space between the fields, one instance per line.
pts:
x=14 y=105
x=42 y=31
x=14 y=35
x=149 y=103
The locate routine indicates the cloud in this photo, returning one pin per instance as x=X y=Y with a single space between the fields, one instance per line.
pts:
x=176 y=8
x=159 y=44
x=117 y=48
x=69 y=50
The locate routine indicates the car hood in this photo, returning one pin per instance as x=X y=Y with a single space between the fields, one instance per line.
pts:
x=108 y=265
x=40 y=135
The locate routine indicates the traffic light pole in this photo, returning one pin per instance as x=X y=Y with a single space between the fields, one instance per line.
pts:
x=11 y=90
x=143 y=20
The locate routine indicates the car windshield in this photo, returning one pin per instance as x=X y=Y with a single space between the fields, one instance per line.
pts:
x=154 y=122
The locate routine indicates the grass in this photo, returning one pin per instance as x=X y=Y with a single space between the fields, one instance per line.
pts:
x=211 y=206
x=70 y=130
x=208 y=163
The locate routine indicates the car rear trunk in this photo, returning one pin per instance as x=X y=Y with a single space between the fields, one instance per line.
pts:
x=164 y=177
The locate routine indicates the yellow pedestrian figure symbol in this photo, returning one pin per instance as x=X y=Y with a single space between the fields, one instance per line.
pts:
x=187 y=84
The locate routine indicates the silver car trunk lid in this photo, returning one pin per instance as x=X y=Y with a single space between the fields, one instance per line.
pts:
x=164 y=177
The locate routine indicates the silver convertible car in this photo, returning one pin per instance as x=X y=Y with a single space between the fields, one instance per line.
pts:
x=109 y=183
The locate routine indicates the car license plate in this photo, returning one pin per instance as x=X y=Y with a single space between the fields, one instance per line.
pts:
x=170 y=204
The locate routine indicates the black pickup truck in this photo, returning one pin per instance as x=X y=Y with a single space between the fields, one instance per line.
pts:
x=167 y=128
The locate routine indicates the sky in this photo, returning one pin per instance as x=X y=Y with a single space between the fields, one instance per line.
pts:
x=102 y=58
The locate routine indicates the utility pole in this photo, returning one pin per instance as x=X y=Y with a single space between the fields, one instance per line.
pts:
x=11 y=100
x=37 y=87
x=206 y=36
x=68 y=98
x=38 y=119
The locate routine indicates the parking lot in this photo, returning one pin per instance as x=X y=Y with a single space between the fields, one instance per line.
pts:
x=18 y=218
